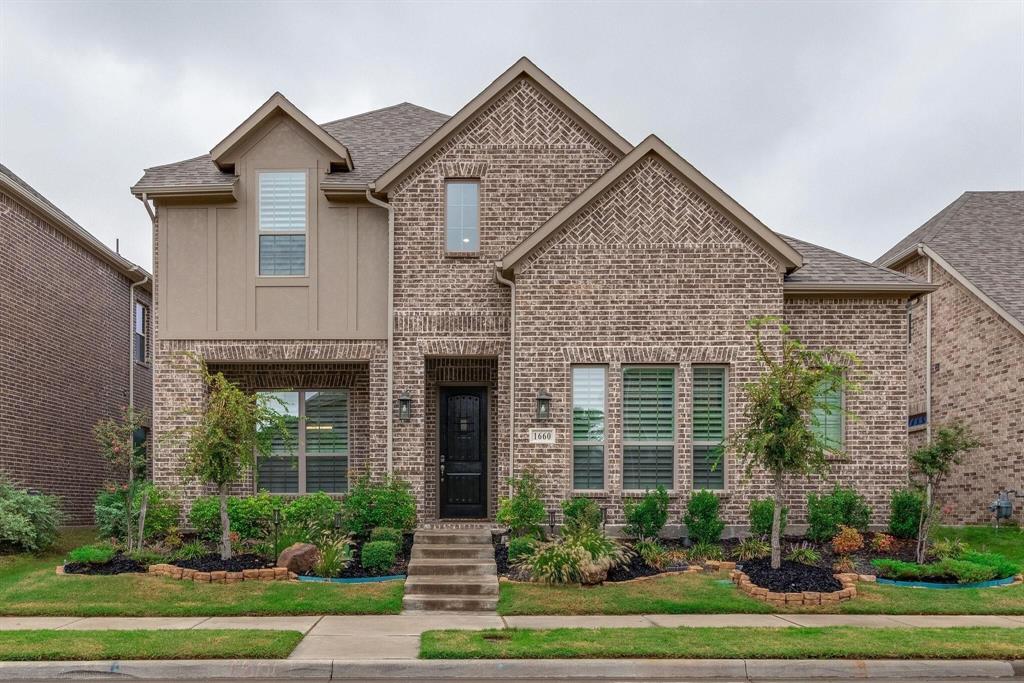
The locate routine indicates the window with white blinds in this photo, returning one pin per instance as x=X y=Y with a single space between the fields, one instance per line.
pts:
x=588 y=411
x=318 y=457
x=648 y=427
x=282 y=223
x=827 y=417
x=709 y=426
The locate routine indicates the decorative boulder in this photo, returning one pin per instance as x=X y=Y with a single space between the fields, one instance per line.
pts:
x=299 y=558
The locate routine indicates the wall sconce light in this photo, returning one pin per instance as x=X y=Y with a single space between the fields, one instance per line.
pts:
x=543 y=404
x=404 y=406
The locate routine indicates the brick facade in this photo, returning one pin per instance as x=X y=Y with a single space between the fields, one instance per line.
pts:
x=978 y=379
x=65 y=335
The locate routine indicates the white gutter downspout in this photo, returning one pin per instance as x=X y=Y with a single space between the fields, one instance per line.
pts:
x=131 y=314
x=389 y=460
x=511 y=376
x=928 y=352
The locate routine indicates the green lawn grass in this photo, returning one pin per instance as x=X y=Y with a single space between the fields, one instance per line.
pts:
x=29 y=586
x=714 y=594
x=727 y=643
x=45 y=645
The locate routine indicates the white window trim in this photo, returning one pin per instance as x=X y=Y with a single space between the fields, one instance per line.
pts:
x=675 y=424
x=469 y=180
x=259 y=228
x=725 y=427
x=145 y=337
x=572 y=438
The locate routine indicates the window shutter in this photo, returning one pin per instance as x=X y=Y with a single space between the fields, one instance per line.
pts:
x=647 y=467
x=829 y=424
x=283 y=202
x=708 y=403
x=648 y=420
x=587 y=467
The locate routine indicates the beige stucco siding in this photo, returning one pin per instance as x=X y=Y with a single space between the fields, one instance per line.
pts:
x=208 y=268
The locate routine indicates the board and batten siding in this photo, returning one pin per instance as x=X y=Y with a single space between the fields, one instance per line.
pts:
x=208 y=262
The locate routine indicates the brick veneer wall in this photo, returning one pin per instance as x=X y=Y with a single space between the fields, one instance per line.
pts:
x=65 y=330
x=977 y=378
x=531 y=158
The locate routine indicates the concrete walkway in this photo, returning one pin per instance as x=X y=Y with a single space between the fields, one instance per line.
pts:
x=370 y=637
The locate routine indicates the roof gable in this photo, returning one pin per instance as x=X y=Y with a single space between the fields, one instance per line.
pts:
x=773 y=243
x=279 y=104
x=523 y=67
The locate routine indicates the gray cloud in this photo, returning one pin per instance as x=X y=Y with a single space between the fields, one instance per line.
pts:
x=845 y=124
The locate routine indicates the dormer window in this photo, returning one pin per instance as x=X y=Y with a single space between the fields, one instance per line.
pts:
x=462 y=216
x=282 y=223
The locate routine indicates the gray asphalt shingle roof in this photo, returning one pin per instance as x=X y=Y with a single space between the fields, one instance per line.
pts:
x=376 y=140
x=981 y=235
x=826 y=267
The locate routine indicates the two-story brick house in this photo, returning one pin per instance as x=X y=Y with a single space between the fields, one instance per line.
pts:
x=75 y=347
x=456 y=300
x=966 y=341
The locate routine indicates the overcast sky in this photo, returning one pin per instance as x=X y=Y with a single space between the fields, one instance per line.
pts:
x=846 y=124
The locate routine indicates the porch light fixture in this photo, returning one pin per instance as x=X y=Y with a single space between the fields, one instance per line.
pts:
x=543 y=404
x=404 y=406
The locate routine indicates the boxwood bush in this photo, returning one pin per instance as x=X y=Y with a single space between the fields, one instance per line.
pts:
x=646 y=518
x=386 y=533
x=761 y=512
x=370 y=504
x=377 y=557
x=827 y=512
x=251 y=516
x=905 y=513
x=162 y=512
x=703 y=523
x=28 y=522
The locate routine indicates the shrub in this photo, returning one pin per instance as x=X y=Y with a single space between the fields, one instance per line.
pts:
x=251 y=517
x=984 y=567
x=92 y=554
x=523 y=512
x=580 y=513
x=844 y=565
x=378 y=557
x=310 y=517
x=1003 y=566
x=370 y=504
x=948 y=548
x=804 y=554
x=162 y=512
x=964 y=571
x=752 y=549
x=827 y=512
x=520 y=547
x=583 y=557
x=702 y=552
x=847 y=541
x=386 y=533
x=147 y=556
x=703 y=523
x=335 y=554
x=897 y=569
x=651 y=552
x=28 y=522
x=191 y=551
x=882 y=543
x=646 y=518
x=761 y=512
x=905 y=513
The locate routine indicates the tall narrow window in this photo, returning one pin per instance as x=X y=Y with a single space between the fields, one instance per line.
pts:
x=462 y=216
x=708 y=427
x=318 y=424
x=648 y=427
x=141 y=314
x=588 y=402
x=282 y=223
x=828 y=424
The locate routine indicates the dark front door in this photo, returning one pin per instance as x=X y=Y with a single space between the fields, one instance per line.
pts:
x=463 y=454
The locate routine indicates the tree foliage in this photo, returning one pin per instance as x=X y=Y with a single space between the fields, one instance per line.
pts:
x=116 y=439
x=933 y=463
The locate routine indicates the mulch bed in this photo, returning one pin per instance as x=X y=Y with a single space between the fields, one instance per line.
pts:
x=904 y=550
x=119 y=564
x=355 y=570
x=790 y=577
x=213 y=563
x=634 y=570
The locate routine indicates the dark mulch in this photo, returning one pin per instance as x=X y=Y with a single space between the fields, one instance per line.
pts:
x=633 y=570
x=355 y=570
x=791 y=577
x=213 y=563
x=501 y=558
x=119 y=564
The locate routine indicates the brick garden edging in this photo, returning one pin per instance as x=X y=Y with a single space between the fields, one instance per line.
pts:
x=269 y=574
x=847 y=592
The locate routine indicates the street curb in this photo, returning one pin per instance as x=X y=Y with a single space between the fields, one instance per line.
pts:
x=617 y=669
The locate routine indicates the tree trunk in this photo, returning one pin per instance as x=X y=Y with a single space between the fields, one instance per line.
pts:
x=923 y=524
x=129 y=498
x=142 y=517
x=777 y=523
x=225 y=524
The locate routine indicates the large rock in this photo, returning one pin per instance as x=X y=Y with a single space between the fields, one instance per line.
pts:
x=299 y=558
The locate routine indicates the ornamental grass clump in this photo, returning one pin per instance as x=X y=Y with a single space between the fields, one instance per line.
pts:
x=752 y=549
x=584 y=557
x=652 y=553
x=804 y=554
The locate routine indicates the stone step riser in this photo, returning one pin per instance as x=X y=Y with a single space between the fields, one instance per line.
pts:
x=453 y=538
x=461 y=569
x=449 y=604
x=450 y=588
x=447 y=552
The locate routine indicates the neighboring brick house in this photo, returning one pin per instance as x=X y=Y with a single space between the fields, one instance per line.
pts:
x=68 y=346
x=967 y=341
x=302 y=258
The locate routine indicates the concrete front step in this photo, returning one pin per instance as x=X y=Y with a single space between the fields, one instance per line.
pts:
x=420 y=567
x=448 y=585
x=453 y=552
x=460 y=537
x=449 y=603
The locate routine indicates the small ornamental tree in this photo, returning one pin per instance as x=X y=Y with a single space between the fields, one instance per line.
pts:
x=233 y=429
x=777 y=434
x=934 y=463
x=116 y=439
